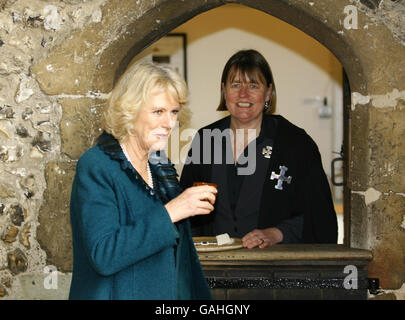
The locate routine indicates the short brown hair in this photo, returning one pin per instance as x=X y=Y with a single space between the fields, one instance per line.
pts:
x=252 y=64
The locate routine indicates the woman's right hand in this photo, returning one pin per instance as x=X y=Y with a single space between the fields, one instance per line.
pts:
x=192 y=201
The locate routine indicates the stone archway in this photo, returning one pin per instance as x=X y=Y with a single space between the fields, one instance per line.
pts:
x=80 y=72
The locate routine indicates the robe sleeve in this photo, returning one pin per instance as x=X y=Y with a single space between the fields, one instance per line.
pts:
x=188 y=175
x=193 y=165
x=292 y=229
x=193 y=170
x=320 y=221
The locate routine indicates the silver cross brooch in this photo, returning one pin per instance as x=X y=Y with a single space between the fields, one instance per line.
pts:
x=281 y=178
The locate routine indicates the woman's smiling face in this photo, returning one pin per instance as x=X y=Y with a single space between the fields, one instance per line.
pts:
x=155 y=120
x=245 y=96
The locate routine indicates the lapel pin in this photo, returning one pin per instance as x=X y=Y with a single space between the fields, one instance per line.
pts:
x=266 y=151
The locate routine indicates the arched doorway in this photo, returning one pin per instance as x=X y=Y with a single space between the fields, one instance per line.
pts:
x=308 y=78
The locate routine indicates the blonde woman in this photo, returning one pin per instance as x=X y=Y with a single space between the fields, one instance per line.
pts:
x=131 y=235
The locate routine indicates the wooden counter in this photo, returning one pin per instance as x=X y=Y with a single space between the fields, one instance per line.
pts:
x=288 y=272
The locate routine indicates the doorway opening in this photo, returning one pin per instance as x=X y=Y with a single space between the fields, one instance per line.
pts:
x=312 y=88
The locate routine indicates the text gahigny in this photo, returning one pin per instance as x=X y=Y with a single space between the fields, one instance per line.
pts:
x=211 y=309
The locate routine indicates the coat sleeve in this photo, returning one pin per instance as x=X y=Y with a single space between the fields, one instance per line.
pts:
x=110 y=245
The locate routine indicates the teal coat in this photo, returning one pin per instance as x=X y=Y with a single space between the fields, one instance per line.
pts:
x=124 y=243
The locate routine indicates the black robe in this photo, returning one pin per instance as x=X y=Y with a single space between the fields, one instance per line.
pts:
x=306 y=195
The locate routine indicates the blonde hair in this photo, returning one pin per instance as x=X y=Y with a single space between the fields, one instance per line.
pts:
x=133 y=90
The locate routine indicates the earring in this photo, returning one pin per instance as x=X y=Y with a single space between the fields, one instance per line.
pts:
x=266 y=106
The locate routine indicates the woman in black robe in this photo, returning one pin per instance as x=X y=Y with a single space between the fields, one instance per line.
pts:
x=271 y=184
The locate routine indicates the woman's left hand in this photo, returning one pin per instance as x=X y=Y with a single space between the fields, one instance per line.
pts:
x=262 y=238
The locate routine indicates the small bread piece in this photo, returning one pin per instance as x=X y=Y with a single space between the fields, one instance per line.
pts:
x=224 y=239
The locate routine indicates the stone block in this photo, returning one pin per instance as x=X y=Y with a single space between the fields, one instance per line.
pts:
x=71 y=66
x=3 y=291
x=10 y=234
x=25 y=236
x=379 y=65
x=359 y=223
x=6 y=191
x=387 y=132
x=17 y=261
x=80 y=125
x=34 y=286
x=372 y=4
x=54 y=233
x=68 y=69
x=388 y=263
x=358 y=172
x=17 y=214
